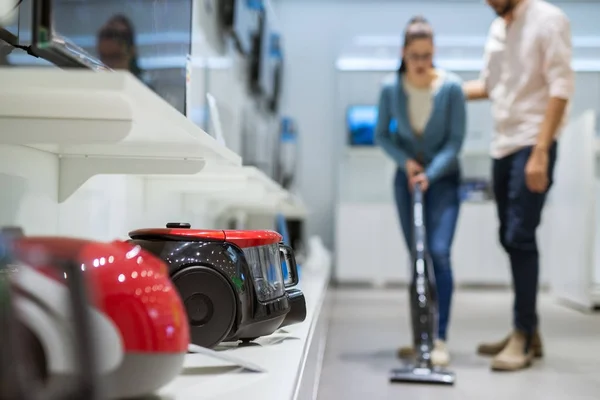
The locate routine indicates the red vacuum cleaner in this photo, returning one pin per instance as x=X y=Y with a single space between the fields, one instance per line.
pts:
x=138 y=320
x=18 y=378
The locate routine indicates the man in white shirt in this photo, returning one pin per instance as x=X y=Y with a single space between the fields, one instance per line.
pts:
x=529 y=80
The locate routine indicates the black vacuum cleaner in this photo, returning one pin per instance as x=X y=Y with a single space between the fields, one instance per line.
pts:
x=423 y=308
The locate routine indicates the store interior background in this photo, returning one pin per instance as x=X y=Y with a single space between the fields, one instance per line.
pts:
x=336 y=53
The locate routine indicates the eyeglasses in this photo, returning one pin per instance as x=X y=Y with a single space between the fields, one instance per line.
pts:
x=419 y=57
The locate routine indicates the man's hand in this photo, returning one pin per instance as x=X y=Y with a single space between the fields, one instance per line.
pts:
x=419 y=179
x=536 y=171
x=475 y=90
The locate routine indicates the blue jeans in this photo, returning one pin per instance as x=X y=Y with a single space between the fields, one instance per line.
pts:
x=442 y=204
x=519 y=212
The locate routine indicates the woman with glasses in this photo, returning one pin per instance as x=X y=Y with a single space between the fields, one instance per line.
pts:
x=421 y=126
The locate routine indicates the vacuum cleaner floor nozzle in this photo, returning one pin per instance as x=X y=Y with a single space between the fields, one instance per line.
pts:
x=411 y=374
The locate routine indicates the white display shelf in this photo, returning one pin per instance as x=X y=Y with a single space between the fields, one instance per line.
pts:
x=293 y=207
x=264 y=196
x=81 y=112
x=207 y=182
x=283 y=355
x=246 y=189
x=270 y=206
x=101 y=123
x=260 y=178
x=223 y=184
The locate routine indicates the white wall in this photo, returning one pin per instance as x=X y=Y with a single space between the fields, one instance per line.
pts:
x=317 y=31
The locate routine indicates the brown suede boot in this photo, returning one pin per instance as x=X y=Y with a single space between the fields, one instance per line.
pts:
x=513 y=357
x=494 y=348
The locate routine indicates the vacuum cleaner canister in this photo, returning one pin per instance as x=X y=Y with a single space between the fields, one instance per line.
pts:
x=423 y=308
x=18 y=349
x=231 y=281
x=137 y=317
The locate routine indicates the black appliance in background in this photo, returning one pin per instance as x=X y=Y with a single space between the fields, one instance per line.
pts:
x=265 y=50
x=295 y=229
x=277 y=85
x=254 y=58
x=267 y=61
x=227 y=13
x=286 y=153
x=240 y=18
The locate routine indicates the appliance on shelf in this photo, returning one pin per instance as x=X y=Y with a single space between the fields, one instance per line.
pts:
x=270 y=56
x=138 y=319
x=231 y=281
x=241 y=19
x=259 y=139
x=18 y=378
x=287 y=152
x=361 y=121
x=277 y=77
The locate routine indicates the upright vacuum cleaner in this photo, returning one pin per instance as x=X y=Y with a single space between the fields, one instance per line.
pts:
x=423 y=307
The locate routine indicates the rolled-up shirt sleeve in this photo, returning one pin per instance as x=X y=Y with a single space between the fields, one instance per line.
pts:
x=492 y=56
x=558 y=50
x=484 y=75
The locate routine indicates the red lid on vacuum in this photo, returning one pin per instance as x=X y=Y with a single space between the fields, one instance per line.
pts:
x=183 y=232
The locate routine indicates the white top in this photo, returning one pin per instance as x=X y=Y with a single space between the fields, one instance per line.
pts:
x=527 y=62
x=420 y=102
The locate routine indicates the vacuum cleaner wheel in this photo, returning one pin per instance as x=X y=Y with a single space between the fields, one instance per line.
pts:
x=210 y=304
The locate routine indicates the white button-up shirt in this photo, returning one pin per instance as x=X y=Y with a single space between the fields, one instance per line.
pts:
x=527 y=62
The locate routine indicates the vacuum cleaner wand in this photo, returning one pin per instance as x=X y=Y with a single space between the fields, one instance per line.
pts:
x=423 y=306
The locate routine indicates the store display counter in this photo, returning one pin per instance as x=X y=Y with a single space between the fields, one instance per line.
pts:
x=291 y=359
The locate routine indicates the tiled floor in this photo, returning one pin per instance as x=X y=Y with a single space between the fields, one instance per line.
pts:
x=368 y=325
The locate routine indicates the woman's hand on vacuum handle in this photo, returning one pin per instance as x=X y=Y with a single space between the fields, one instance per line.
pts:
x=413 y=168
x=421 y=180
x=416 y=174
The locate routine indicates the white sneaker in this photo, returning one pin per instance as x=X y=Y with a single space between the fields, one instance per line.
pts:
x=440 y=357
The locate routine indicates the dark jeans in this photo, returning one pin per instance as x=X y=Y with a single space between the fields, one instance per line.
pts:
x=442 y=204
x=519 y=212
